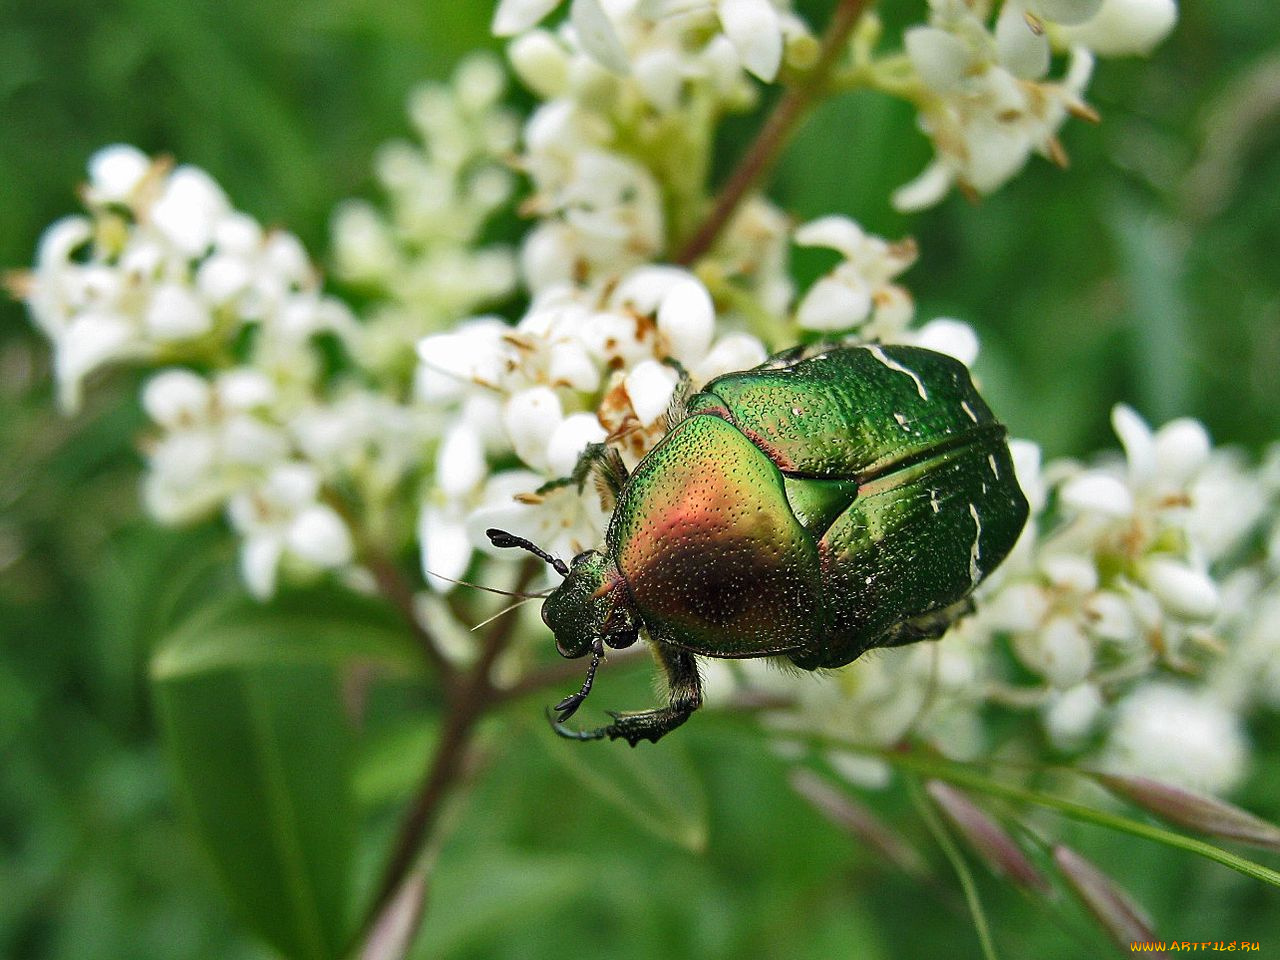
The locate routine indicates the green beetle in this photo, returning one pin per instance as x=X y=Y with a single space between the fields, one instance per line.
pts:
x=809 y=508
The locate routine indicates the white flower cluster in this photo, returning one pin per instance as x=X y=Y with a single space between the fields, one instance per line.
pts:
x=1109 y=603
x=422 y=260
x=754 y=35
x=983 y=91
x=619 y=152
x=162 y=270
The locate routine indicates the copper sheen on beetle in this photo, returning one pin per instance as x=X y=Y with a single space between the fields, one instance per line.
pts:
x=809 y=508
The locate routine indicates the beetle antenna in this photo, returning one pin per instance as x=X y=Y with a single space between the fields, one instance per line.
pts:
x=507 y=609
x=500 y=538
x=477 y=586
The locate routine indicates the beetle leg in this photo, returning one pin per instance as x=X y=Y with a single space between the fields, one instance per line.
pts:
x=678 y=408
x=605 y=464
x=686 y=696
x=927 y=626
x=567 y=707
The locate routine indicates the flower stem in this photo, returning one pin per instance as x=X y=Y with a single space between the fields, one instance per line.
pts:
x=397 y=590
x=763 y=152
x=957 y=861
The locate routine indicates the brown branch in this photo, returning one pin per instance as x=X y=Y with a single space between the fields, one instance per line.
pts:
x=469 y=700
x=763 y=152
x=399 y=592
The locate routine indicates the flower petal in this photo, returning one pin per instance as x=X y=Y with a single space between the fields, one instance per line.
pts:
x=597 y=35
x=755 y=31
x=516 y=16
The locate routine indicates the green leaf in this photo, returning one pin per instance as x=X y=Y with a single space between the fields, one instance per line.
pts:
x=494 y=892
x=659 y=789
x=301 y=627
x=391 y=763
x=263 y=759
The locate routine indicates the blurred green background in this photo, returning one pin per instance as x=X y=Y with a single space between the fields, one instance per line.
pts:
x=1147 y=273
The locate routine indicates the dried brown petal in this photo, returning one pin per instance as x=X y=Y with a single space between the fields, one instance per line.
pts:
x=1196 y=811
x=1123 y=919
x=986 y=837
x=852 y=816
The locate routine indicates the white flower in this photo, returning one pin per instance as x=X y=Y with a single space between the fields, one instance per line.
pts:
x=560 y=520
x=946 y=335
x=418 y=256
x=281 y=520
x=541 y=62
x=985 y=102
x=177 y=276
x=754 y=251
x=115 y=173
x=755 y=30
x=1071 y=715
x=188 y=210
x=1124 y=27
x=860 y=287
x=218 y=439
x=516 y=16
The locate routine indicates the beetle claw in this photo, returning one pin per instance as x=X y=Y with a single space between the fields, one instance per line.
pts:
x=567 y=707
x=569 y=733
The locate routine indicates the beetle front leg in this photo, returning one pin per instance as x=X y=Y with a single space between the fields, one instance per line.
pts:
x=686 y=696
x=604 y=463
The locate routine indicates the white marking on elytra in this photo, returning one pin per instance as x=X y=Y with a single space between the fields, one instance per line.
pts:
x=933 y=500
x=975 y=550
x=902 y=422
x=995 y=469
x=894 y=365
x=964 y=405
x=796 y=411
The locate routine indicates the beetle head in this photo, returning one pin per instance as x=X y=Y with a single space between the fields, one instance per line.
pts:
x=592 y=605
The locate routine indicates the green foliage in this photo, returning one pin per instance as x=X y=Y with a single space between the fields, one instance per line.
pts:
x=262 y=757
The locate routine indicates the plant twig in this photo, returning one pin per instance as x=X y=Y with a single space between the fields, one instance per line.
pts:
x=958 y=864
x=393 y=585
x=468 y=701
x=777 y=129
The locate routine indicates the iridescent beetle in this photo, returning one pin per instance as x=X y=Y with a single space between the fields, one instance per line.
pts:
x=809 y=508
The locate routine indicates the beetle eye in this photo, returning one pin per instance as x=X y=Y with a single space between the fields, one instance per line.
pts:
x=580 y=557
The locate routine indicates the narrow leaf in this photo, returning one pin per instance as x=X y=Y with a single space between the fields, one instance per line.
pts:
x=487 y=893
x=301 y=627
x=986 y=837
x=1197 y=811
x=1123 y=920
x=262 y=759
x=660 y=790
